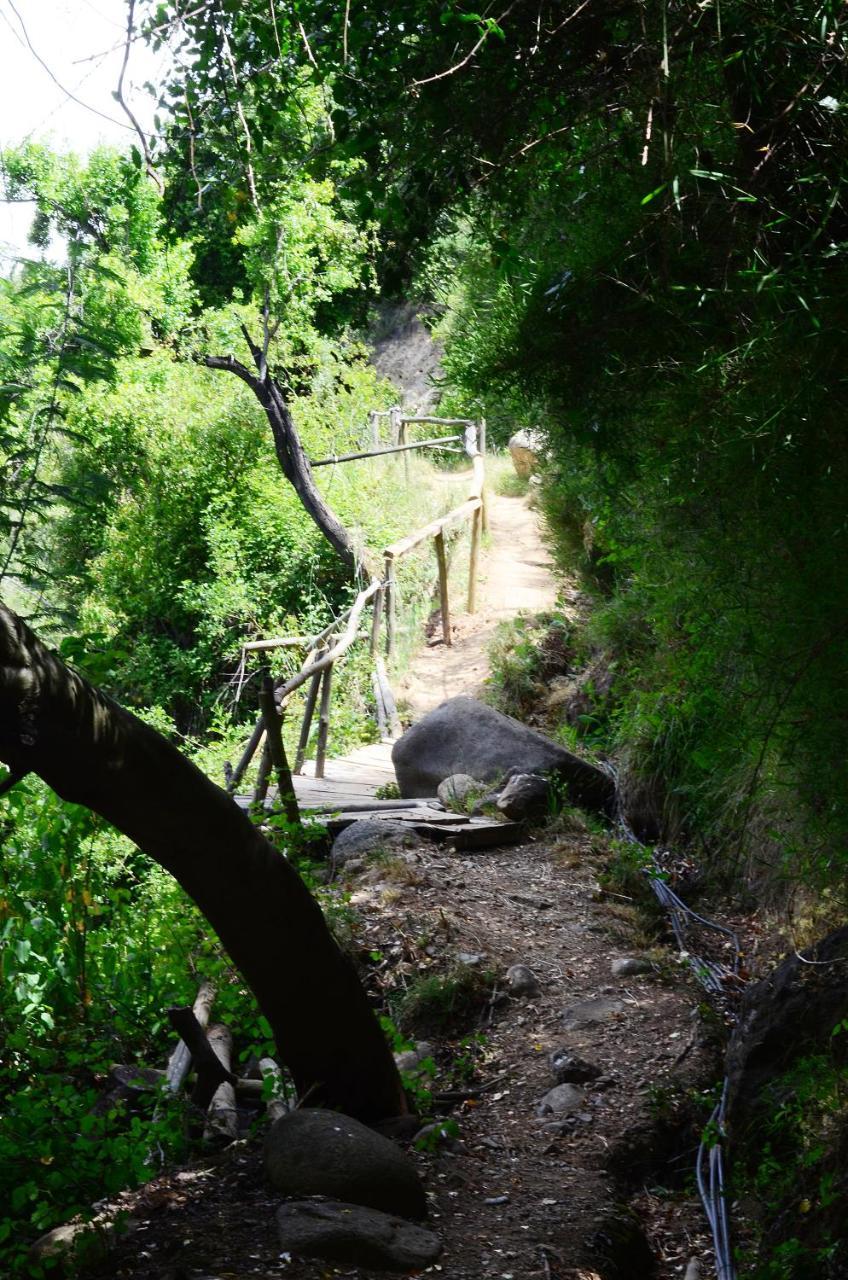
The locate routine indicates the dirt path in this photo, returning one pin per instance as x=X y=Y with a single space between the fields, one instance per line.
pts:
x=582 y=1187
x=514 y=1194
x=516 y=576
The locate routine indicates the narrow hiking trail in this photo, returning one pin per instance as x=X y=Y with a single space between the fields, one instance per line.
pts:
x=516 y=576
x=542 y=1174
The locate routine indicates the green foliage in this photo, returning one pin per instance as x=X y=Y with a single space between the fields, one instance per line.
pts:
x=95 y=943
x=444 y=1003
x=796 y=1175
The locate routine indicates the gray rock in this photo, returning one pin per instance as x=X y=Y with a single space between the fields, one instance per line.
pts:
x=76 y=1243
x=465 y=736
x=526 y=449
x=311 y=1152
x=455 y=791
x=373 y=835
x=629 y=966
x=788 y=1015
x=522 y=981
x=569 y=1069
x=411 y=1059
x=525 y=798
x=590 y=1012
x=351 y=1234
x=486 y=803
x=563 y=1100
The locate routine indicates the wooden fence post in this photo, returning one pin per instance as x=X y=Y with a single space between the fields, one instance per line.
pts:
x=391 y=606
x=308 y=713
x=442 y=559
x=376 y=619
x=481 y=445
x=276 y=748
x=323 y=721
x=373 y=420
x=476 y=525
x=402 y=441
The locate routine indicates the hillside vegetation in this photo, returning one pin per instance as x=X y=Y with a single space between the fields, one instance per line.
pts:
x=627 y=225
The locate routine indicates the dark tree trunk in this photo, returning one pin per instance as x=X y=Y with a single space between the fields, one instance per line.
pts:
x=93 y=753
x=290 y=452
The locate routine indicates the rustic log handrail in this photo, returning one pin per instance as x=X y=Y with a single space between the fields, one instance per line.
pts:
x=474 y=508
x=308 y=671
x=323 y=650
x=378 y=453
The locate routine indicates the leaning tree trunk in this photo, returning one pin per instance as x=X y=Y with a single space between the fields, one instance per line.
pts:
x=290 y=452
x=92 y=752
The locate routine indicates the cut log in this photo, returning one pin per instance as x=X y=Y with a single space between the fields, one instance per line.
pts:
x=180 y=1060
x=222 y=1119
x=277 y=1105
x=210 y=1072
x=388 y=699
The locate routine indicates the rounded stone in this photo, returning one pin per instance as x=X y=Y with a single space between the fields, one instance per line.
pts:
x=311 y=1152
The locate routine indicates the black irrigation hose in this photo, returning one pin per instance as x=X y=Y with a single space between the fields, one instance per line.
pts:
x=709 y=1165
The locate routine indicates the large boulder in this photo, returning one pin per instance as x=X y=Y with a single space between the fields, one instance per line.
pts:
x=324 y=1153
x=526 y=450
x=788 y=1015
x=351 y=1234
x=465 y=736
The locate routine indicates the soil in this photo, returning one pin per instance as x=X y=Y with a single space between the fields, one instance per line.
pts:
x=514 y=1194
x=604 y=1193
x=516 y=576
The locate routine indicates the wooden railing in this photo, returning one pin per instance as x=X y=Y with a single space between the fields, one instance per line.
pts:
x=329 y=646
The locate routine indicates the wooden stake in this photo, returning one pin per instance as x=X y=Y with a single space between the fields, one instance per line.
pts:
x=308 y=713
x=323 y=722
x=382 y=723
x=376 y=619
x=391 y=606
x=476 y=524
x=441 y=557
x=388 y=699
x=481 y=445
x=277 y=750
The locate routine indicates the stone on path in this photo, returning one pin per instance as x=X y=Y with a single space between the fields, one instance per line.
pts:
x=567 y=1068
x=311 y=1152
x=465 y=736
x=588 y=1013
x=522 y=981
x=355 y=1235
x=525 y=798
x=373 y=835
x=629 y=966
x=562 y=1100
x=454 y=791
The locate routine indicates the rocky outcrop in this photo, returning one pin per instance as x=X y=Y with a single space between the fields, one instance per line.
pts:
x=311 y=1152
x=790 y=1014
x=465 y=736
x=526 y=450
